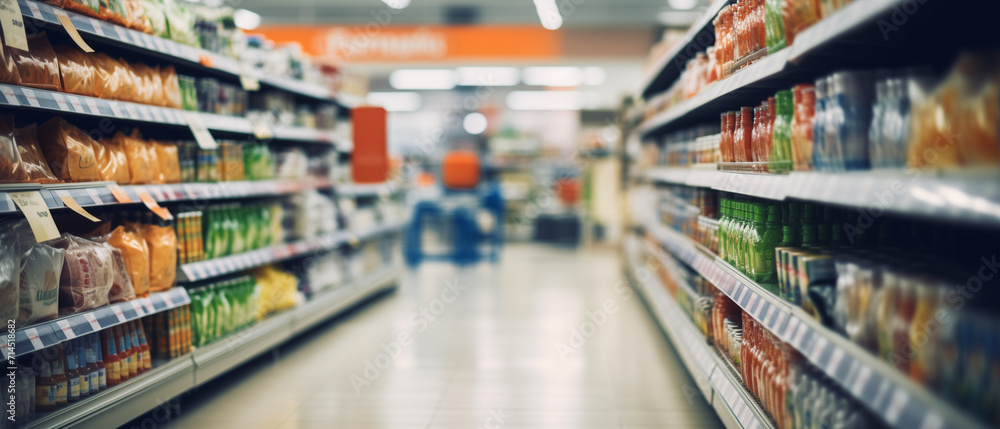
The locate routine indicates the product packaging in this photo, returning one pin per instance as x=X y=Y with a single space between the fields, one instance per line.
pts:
x=40 y=268
x=77 y=71
x=141 y=164
x=69 y=151
x=162 y=241
x=112 y=161
x=38 y=67
x=35 y=166
x=87 y=275
x=136 y=256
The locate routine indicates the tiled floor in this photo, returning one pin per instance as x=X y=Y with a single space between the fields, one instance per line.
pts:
x=502 y=353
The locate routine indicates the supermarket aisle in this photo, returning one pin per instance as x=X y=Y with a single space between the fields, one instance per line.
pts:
x=501 y=353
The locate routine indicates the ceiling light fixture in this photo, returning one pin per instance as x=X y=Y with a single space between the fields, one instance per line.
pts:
x=488 y=76
x=245 y=19
x=682 y=4
x=548 y=13
x=396 y=101
x=564 y=77
x=593 y=75
x=544 y=100
x=474 y=123
x=423 y=79
x=397 y=4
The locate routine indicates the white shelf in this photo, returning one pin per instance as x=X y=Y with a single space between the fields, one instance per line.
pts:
x=965 y=195
x=96 y=30
x=120 y=404
x=896 y=399
x=722 y=388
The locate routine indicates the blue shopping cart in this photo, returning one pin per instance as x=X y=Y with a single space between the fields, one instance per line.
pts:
x=461 y=226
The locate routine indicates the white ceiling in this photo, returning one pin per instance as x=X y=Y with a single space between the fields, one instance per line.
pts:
x=576 y=13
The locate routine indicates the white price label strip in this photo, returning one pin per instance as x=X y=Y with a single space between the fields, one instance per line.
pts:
x=858 y=387
x=36 y=342
x=115 y=109
x=92 y=321
x=67 y=330
x=92 y=105
x=835 y=359
x=13 y=25
x=200 y=131
x=8 y=94
x=118 y=313
x=138 y=308
x=61 y=101
x=75 y=102
x=30 y=95
x=35 y=13
x=168 y=299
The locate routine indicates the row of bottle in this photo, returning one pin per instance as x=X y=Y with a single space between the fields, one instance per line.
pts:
x=76 y=369
x=230 y=229
x=170 y=332
x=759 y=134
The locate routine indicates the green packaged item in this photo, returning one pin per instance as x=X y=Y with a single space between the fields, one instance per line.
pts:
x=189 y=93
x=781 y=143
x=774 y=24
x=180 y=22
x=156 y=17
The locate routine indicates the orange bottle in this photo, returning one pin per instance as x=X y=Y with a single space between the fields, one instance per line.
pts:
x=112 y=368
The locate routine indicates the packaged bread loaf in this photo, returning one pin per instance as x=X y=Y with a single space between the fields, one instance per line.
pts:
x=140 y=162
x=162 y=241
x=11 y=170
x=168 y=164
x=34 y=163
x=111 y=159
x=171 y=87
x=69 y=151
x=41 y=266
x=121 y=287
x=8 y=67
x=38 y=67
x=77 y=70
x=87 y=274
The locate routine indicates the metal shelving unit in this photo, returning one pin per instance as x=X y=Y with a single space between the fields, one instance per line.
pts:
x=131 y=399
x=892 y=396
x=721 y=386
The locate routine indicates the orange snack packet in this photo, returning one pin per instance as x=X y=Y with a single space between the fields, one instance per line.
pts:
x=162 y=242
x=76 y=70
x=32 y=159
x=139 y=161
x=135 y=253
x=69 y=151
x=111 y=160
x=168 y=162
x=39 y=67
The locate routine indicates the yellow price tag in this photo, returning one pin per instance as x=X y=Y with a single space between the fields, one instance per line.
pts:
x=13 y=25
x=71 y=30
x=68 y=200
x=39 y=218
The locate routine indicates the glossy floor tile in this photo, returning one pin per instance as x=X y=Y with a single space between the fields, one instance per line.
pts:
x=548 y=338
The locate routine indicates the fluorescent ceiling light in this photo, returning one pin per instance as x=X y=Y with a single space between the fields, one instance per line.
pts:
x=397 y=4
x=593 y=75
x=396 y=101
x=553 y=76
x=488 y=76
x=682 y=4
x=246 y=19
x=548 y=13
x=474 y=123
x=423 y=79
x=544 y=100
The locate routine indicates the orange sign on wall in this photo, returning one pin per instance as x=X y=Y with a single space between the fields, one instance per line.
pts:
x=375 y=43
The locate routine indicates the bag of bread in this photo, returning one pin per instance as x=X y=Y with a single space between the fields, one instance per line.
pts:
x=111 y=160
x=115 y=11
x=137 y=19
x=38 y=67
x=10 y=264
x=34 y=163
x=140 y=163
x=76 y=70
x=87 y=274
x=41 y=266
x=168 y=164
x=11 y=169
x=171 y=87
x=144 y=90
x=156 y=87
x=109 y=77
x=69 y=151
x=121 y=288
x=162 y=241
x=8 y=67
x=135 y=254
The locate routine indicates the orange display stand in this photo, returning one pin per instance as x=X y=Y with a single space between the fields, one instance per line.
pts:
x=460 y=169
x=370 y=158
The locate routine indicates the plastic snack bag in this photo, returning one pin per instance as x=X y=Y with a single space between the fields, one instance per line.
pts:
x=41 y=266
x=135 y=255
x=10 y=259
x=32 y=159
x=180 y=21
x=11 y=168
x=169 y=166
x=115 y=11
x=139 y=161
x=122 y=288
x=87 y=274
x=156 y=19
x=85 y=7
x=109 y=77
x=38 y=67
x=171 y=87
x=111 y=160
x=137 y=19
x=162 y=241
x=69 y=151
x=77 y=71
x=8 y=66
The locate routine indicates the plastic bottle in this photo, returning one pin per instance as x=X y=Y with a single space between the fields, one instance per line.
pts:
x=770 y=236
x=782 y=133
x=924 y=335
x=901 y=324
x=112 y=366
x=772 y=112
x=877 y=145
x=802 y=126
x=775 y=25
x=84 y=371
x=60 y=379
x=132 y=345
x=102 y=374
x=810 y=226
x=746 y=130
x=123 y=355
x=147 y=359
x=72 y=375
x=819 y=151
